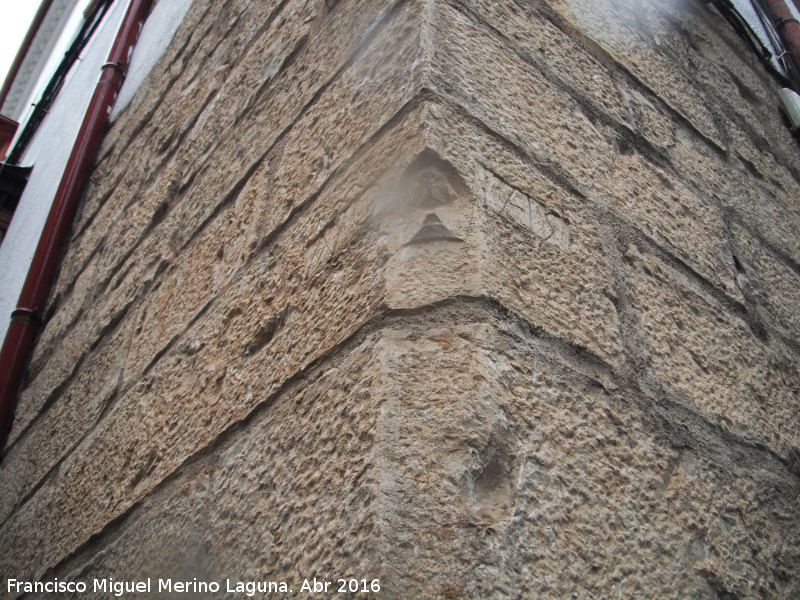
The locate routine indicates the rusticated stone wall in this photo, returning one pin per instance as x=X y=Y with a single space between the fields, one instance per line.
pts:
x=482 y=299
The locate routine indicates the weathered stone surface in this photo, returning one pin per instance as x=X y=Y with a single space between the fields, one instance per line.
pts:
x=295 y=498
x=214 y=376
x=526 y=108
x=768 y=282
x=75 y=412
x=182 y=101
x=632 y=33
x=495 y=474
x=712 y=359
x=484 y=300
x=55 y=372
x=525 y=480
x=134 y=217
x=534 y=274
x=274 y=193
x=188 y=217
x=542 y=119
x=554 y=52
x=769 y=210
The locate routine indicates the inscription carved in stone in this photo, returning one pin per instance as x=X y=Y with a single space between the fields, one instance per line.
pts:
x=525 y=211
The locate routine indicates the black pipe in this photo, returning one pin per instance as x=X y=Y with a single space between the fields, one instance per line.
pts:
x=50 y=93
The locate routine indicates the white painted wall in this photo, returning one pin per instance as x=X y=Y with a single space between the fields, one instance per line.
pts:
x=45 y=53
x=49 y=150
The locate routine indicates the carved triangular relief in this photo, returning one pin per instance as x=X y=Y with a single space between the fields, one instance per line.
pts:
x=429 y=220
x=428 y=202
x=433 y=188
x=433 y=230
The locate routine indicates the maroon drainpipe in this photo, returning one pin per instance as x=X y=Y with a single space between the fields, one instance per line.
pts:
x=27 y=319
x=788 y=27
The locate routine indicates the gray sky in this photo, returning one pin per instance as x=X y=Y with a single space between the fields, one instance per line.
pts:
x=17 y=16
